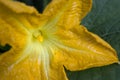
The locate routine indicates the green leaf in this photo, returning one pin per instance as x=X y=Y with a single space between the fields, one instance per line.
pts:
x=104 y=20
x=5 y=48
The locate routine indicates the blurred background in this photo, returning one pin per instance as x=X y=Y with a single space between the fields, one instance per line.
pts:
x=38 y=4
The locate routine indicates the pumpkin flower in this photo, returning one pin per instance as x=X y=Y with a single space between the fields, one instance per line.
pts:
x=43 y=44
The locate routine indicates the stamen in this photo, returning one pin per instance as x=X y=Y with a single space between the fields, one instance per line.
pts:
x=38 y=35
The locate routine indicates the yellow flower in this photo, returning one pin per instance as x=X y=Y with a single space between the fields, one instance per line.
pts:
x=43 y=44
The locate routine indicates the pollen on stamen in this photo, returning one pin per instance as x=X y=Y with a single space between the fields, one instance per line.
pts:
x=38 y=36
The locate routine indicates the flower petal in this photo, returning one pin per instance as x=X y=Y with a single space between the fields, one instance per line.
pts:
x=68 y=12
x=36 y=63
x=26 y=60
x=26 y=16
x=83 y=49
x=16 y=38
x=57 y=71
x=16 y=22
x=14 y=26
x=17 y=7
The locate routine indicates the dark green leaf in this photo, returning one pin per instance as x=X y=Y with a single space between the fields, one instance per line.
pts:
x=38 y=4
x=5 y=48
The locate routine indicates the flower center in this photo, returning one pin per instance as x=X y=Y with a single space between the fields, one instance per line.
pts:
x=38 y=35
